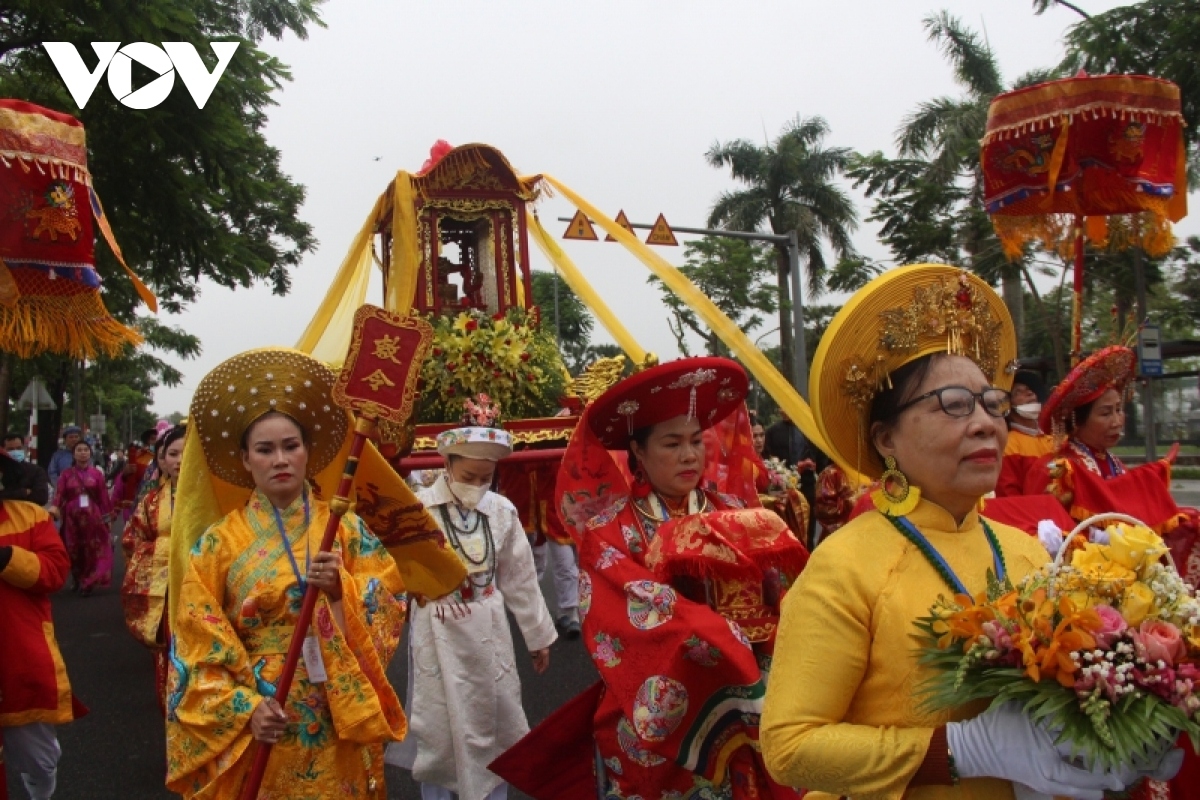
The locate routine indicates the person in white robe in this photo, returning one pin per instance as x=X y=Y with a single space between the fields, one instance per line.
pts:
x=466 y=696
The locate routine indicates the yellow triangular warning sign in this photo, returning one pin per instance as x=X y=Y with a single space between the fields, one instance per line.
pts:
x=580 y=227
x=661 y=233
x=623 y=221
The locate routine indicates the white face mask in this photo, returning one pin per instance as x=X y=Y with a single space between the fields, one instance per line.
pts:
x=1028 y=410
x=468 y=495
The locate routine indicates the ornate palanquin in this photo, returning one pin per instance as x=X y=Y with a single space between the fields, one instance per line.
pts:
x=471 y=229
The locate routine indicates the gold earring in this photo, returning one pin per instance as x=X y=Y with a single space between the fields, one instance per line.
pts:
x=895 y=497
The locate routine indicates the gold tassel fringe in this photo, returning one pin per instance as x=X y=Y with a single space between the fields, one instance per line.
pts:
x=75 y=325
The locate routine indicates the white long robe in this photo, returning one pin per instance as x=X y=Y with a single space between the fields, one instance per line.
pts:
x=466 y=695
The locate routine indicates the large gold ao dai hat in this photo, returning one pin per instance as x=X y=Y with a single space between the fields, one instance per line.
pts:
x=900 y=316
x=239 y=391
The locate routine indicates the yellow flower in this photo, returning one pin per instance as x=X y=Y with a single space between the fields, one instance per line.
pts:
x=1100 y=574
x=1083 y=599
x=1137 y=604
x=1193 y=640
x=1134 y=547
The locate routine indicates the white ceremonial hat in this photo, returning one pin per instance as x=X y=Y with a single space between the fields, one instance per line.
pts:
x=487 y=444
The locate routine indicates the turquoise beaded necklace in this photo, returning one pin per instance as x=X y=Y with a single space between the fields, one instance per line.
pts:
x=935 y=559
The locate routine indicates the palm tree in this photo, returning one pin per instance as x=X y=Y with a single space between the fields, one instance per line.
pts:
x=946 y=133
x=789 y=186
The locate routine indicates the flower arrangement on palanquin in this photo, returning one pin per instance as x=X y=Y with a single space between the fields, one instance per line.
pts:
x=508 y=355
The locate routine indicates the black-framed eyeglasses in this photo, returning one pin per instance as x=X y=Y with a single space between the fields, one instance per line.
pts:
x=959 y=401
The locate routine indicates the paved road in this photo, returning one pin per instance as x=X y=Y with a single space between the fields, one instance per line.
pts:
x=118 y=750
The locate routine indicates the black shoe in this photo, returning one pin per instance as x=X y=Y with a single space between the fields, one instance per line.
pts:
x=568 y=627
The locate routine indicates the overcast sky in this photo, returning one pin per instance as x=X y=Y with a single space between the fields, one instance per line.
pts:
x=618 y=99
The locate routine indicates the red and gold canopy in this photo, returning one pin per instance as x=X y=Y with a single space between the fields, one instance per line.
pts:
x=1088 y=146
x=49 y=288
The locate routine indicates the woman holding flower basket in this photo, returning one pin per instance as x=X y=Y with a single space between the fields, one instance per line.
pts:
x=1086 y=415
x=908 y=388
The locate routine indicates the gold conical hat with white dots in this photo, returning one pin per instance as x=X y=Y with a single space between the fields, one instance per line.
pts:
x=239 y=391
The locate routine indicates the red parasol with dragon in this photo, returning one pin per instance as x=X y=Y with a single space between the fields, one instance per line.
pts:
x=1063 y=157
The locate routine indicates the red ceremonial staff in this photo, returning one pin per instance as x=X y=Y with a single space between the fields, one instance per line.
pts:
x=377 y=384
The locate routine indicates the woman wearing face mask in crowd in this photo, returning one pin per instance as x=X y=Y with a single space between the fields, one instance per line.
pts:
x=1026 y=442
x=466 y=697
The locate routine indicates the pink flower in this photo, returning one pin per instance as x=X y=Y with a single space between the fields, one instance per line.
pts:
x=1159 y=641
x=1112 y=625
x=324 y=623
x=1000 y=638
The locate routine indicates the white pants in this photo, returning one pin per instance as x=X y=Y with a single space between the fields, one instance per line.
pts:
x=563 y=569
x=431 y=792
x=32 y=751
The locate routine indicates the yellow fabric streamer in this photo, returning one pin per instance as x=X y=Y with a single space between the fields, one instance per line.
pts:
x=142 y=290
x=1056 y=162
x=406 y=252
x=579 y=285
x=327 y=337
x=763 y=370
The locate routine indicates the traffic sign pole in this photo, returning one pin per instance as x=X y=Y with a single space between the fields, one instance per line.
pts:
x=790 y=244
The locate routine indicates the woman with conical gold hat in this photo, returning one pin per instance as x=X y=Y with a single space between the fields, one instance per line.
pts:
x=909 y=386
x=264 y=437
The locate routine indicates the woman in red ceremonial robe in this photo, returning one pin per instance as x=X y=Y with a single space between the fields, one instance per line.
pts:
x=1086 y=413
x=679 y=590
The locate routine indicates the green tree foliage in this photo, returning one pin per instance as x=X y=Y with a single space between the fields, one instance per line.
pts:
x=929 y=200
x=121 y=388
x=789 y=184
x=1186 y=260
x=569 y=319
x=735 y=274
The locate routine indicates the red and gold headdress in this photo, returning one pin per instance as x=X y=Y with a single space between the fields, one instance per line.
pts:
x=707 y=389
x=1110 y=368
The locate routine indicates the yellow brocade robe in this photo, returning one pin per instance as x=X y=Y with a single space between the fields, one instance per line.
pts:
x=841 y=714
x=147 y=543
x=234 y=620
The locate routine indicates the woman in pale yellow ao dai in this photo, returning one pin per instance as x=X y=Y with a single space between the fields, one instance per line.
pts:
x=911 y=370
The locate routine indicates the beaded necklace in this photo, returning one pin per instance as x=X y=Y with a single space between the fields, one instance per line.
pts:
x=455 y=534
x=1114 y=466
x=935 y=559
x=655 y=509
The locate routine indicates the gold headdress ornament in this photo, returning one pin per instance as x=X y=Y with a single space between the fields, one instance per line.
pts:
x=213 y=483
x=231 y=397
x=899 y=317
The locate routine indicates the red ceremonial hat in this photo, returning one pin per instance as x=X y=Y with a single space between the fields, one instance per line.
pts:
x=707 y=389
x=1110 y=368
